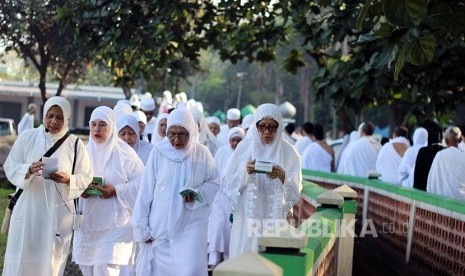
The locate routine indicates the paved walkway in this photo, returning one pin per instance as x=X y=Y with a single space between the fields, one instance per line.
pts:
x=373 y=257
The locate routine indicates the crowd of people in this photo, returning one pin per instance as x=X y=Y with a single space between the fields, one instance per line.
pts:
x=174 y=194
x=170 y=194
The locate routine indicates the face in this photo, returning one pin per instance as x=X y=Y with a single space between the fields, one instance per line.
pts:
x=267 y=129
x=233 y=123
x=149 y=115
x=233 y=142
x=162 y=127
x=54 y=120
x=100 y=131
x=141 y=127
x=128 y=135
x=214 y=128
x=33 y=110
x=178 y=137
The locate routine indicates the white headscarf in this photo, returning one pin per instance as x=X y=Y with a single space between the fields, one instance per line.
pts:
x=131 y=121
x=100 y=153
x=183 y=118
x=156 y=137
x=236 y=132
x=121 y=109
x=269 y=152
x=140 y=116
x=66 y=109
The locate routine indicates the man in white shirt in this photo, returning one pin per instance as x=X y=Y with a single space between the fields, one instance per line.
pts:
x=447 y=176
x=27 y=122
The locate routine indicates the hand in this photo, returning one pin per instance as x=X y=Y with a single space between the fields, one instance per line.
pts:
x=189 y=197
x=250 y=167
x=35 y=168
x=84 y=194
x=108 y=191
x=60 y=177
x=277 y=172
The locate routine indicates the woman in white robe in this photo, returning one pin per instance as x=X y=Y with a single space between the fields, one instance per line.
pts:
x=127 y=128
x=159 y=131
x=219 y=224
x=41 y=223
x=257 y=197
x=172 y=229
x=407 y=164
x=104 y=245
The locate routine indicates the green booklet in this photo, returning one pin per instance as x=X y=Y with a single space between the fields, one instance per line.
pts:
x=95 y=186
x=197 y=196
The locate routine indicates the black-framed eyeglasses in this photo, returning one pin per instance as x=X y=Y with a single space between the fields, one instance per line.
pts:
x=180 y=135
x=271 y=128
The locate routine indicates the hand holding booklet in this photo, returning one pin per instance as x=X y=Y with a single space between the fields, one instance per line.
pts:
x=263 y=166
x=95 y=186
x=50 y=166
x=186 y=191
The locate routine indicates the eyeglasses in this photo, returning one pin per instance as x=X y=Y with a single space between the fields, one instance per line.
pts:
x=179 y=135
x=271 y=128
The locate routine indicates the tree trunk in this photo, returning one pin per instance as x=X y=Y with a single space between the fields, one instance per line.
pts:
x=345 y=121
x=127 y=92
x=42 y=82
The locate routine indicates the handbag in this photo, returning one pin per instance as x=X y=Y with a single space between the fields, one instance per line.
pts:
x=14 y=197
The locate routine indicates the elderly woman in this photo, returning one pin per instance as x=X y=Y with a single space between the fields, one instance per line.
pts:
x=258 y=196
x=128 y=131
x=104 y=243
x=172 y=228
x=42 y=221
x=159 y=133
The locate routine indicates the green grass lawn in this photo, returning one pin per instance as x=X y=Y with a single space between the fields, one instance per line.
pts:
x=3 y=204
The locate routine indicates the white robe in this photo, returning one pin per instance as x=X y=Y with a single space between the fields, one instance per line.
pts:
x=447 y=175
x=219 y=226
x=407 y=164
x=27 y=122
x=256 y=197
x=388 y=161
x=40 y=213
x=105 y=236
x=222 y=137
x=150 y=127
x=302 y=143
x=179 y=229
x=143 y=150
x=315 y=157
x=360 y=157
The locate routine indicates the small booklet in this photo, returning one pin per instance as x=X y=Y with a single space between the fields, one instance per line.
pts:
x=50 y=166
x=263 y=166
x=186 y=191
x=95 y=186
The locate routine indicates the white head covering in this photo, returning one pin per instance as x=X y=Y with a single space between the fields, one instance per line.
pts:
x=183 y=118
x=233 y=114
x=183 y=96
x=269 y=152
x=127 y=120
x=156 y=137
x=168 y=96
x=134 y=101
x=66 y=109
x=236 y=132
x=213 y=119
x=420 y=137
x=121 y=109
x=100 y=153
x=247 y=121
x=31 y=105
x=147 y=104
x=140 y=116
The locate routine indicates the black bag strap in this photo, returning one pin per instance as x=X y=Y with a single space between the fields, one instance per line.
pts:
x=72 y=172
x=50 y=151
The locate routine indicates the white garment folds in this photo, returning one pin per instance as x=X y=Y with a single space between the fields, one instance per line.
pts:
x=360 y=157
x=447 y=174
x=315 y=157
x=388 y=161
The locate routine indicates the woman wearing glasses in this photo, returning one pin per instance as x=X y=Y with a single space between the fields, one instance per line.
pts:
x=261 y=195
x=104 y=245
x=172 y=208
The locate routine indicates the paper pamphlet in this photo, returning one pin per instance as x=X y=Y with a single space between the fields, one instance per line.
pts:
x=193 y=191
x=262 y=166
x=93 y=189
x=50 y=166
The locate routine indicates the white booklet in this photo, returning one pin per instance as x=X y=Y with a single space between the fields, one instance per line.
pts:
x=263 y=166
x=50 y=166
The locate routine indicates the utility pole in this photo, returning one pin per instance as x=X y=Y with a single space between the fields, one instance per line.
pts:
x=241 y=76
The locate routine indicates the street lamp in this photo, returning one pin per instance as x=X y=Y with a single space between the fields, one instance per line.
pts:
x=241 y=76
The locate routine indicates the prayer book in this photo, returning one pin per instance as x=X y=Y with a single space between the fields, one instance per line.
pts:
x=197 y=196
x=95 y=186
x=50 y=166
x=263 y=166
